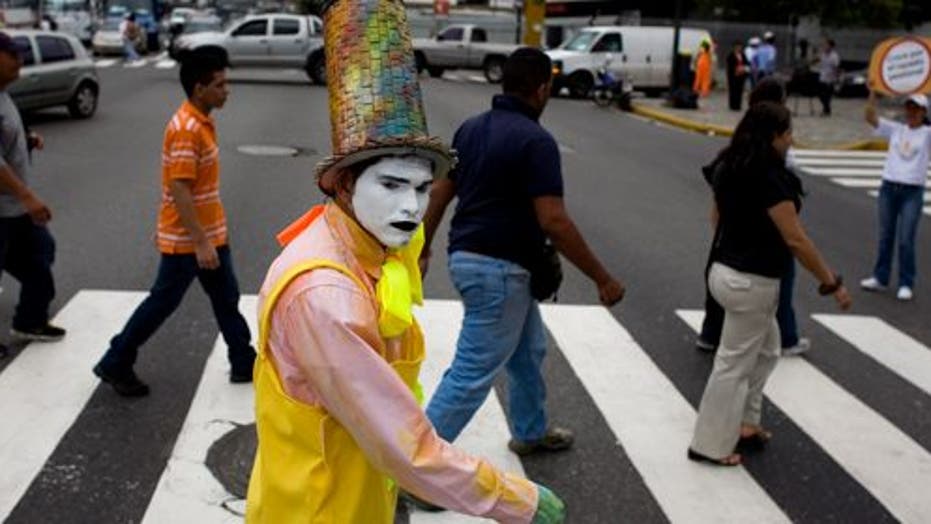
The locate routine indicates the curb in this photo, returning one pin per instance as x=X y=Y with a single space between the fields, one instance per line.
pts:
x=713 y=129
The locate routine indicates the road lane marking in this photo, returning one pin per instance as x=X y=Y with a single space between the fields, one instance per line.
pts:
x=47 y=385
x=842 y=161
x=884 y=460
x=888 y=346
x=165 y=64
x=487 y=434
x=828 y=153
x=841 y=171
x=107 y=62
x=652 y=421
x=187 y=491
x=135 y=64
x=858 y=182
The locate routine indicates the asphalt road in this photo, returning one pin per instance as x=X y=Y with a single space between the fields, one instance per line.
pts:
x=633 y=188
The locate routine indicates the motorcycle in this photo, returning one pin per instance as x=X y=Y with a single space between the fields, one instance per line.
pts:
x=609 y=89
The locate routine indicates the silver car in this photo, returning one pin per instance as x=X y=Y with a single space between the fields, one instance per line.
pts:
x=56 y=71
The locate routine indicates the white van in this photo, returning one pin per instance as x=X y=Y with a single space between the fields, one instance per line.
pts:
x=640 y=55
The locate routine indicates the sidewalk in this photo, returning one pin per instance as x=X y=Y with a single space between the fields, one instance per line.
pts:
x=844 y=129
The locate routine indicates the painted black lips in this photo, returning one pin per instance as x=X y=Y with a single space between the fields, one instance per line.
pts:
x=405 y=226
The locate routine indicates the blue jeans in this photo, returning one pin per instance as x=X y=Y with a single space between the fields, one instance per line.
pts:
x=27 y=252
x=175 y=275
x=899 y=213
x=129 y=50
x=502 y=328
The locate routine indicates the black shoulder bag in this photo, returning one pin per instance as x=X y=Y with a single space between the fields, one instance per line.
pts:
x=545 y=274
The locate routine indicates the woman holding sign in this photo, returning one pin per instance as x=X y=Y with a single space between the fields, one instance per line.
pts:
x=901 y=195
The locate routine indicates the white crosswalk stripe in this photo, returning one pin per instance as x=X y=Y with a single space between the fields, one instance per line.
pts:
x=651 y=421
x=852 y=169
x=58 y=380
x=887 y=345
x=886 y=461
x=160 y=61
x=626 y=385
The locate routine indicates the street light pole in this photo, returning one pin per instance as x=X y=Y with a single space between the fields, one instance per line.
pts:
x=677 y=26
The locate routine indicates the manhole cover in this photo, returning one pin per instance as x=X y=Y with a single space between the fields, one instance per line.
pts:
x=266 y=150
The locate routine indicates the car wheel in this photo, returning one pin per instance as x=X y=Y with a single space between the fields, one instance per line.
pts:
x=494 y=70
x=435 y=72
x=84 y=102
x=316 y=69
x=580 y=84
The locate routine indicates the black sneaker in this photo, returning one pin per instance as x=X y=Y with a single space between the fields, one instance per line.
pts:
x=46 y=333
x=556 y=439
x=126 y=384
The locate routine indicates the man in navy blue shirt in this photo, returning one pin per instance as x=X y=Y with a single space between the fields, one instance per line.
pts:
x=510 y=190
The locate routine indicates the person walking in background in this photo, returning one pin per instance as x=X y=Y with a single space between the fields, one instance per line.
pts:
x=736 y=76
x=769 y=90
x=756 y=209
x=192 y=233
x=828 y=71
x=129 y=31
x=765 y=57
x=27 y=249
x=510 y=191
x=901 y=195
x=753 y=47
x=703 y=71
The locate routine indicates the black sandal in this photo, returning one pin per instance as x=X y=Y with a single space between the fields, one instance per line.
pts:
x=723 y=462
x=757 y=440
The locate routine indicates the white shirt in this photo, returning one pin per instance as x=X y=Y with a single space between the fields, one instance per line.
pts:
x=909 y=150
x=827 y=68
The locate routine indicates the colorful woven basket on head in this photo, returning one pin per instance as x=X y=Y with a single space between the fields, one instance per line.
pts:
x=376 y=106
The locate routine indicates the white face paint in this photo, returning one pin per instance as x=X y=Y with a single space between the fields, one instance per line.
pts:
x=390 y=198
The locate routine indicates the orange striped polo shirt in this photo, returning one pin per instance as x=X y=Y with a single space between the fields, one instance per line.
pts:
x=190 y=152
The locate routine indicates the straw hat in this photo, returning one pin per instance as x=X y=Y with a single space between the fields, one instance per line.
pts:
x=376 y=106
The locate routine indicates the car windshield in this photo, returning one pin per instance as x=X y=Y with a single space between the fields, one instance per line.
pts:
x=111 y=24
x=581 y=41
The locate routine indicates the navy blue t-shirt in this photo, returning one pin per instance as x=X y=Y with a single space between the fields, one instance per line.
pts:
x=506 y=159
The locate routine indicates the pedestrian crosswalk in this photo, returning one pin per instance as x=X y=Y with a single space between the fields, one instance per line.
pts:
x=852 y=169
x=648 y=416
x=160 y=61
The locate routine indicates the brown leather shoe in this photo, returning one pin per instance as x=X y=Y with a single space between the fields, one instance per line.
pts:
x=556 y=439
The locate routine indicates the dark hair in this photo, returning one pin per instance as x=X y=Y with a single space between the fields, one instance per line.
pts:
x=752 y=143
x=768 y=90
x=525 y=71
x=830 y=42
x=199 y=67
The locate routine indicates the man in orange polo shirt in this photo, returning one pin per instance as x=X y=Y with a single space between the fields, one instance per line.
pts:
x=192 y=235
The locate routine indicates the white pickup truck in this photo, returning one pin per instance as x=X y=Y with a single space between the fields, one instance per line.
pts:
x=462 y=46
x=268 y=40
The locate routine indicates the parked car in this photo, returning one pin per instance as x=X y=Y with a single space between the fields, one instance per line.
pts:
x=462 y=46
x=852 y=81
x=56 y=71
x=269 y=40
x=193 y=25
x=108 y=40
x=642 y=56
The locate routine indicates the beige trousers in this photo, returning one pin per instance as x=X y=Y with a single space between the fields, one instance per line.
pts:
x=746 y=356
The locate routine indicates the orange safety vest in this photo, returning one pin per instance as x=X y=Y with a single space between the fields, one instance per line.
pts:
x=308 y=468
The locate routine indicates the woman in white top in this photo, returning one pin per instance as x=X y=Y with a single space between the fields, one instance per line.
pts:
x=901 y=196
